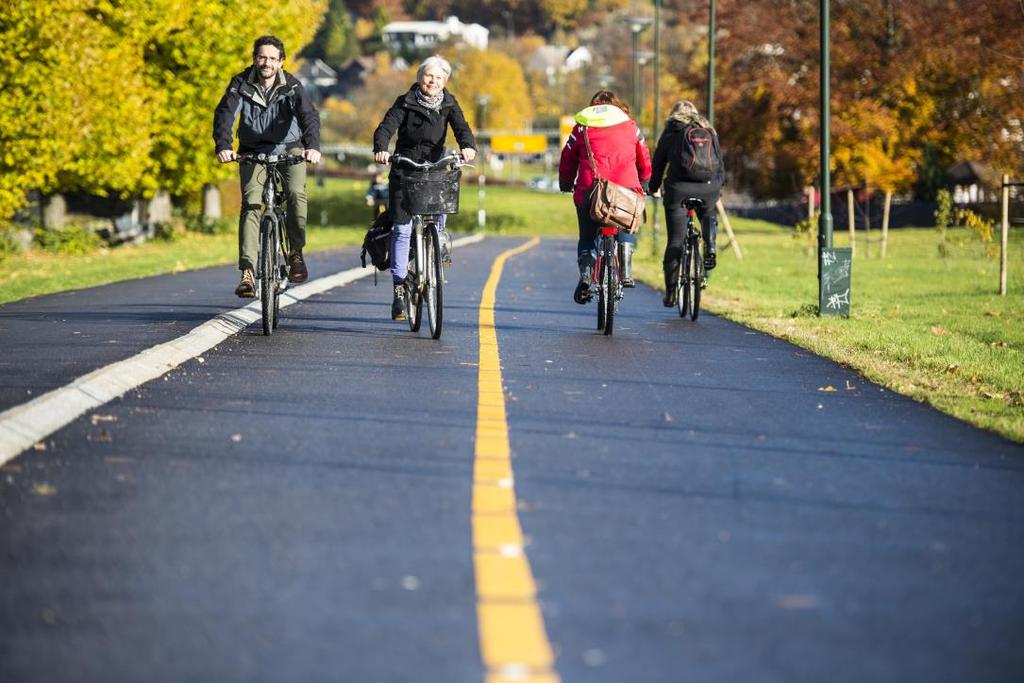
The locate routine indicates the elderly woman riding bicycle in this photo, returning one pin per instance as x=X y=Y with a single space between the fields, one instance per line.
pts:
x=421 y=118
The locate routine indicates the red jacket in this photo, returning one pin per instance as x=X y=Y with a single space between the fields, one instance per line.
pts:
x=619 y=149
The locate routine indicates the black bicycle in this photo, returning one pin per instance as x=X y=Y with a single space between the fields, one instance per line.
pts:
x=428 y=189
x=272 y=261
x=606 y=279
x=690 y=279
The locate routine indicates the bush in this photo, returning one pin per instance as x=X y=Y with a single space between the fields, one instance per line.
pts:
x=210 y=226
x=72 y=239
x=9 y=244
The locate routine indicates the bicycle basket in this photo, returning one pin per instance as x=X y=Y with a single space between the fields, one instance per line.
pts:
x=433 y=191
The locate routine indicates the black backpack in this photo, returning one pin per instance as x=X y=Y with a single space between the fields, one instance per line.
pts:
x=377 y=242
x=699 y=154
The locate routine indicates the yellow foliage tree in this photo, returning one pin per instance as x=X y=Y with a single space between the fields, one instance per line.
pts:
x=499 y=78
x=118 y=97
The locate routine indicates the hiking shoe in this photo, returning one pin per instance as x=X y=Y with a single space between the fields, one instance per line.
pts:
x=398 y=303
x=668 y=300
x=246 y=288
x=710 y=261
x=297 y=268
x=582 y=294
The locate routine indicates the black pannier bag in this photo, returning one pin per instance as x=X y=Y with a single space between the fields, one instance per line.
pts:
x=377 y=243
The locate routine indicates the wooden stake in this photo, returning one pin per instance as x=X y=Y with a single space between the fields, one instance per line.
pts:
x=728 y=230
x=849 y=221
x=885 y=220
x=1005 y=236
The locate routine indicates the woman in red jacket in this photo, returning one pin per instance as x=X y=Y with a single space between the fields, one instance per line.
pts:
x=621 y=155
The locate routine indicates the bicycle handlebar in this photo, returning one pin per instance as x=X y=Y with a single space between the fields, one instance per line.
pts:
x=450 y=158
x=268 y=159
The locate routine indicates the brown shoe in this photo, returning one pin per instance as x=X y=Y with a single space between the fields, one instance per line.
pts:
x=297 y=268
x=246 y=288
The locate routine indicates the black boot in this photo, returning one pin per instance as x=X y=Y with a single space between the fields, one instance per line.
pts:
x=398 y=303
x=582 y=294
x=671 y=280
x=626 y=256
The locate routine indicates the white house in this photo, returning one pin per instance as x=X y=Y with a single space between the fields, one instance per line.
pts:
x=423 y=35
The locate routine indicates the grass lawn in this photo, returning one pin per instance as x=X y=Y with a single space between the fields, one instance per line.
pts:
x=932 y=328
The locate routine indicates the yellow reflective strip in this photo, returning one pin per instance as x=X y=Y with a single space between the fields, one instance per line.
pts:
x=513 y=641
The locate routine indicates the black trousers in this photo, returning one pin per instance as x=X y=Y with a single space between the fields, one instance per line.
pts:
x=675 y=217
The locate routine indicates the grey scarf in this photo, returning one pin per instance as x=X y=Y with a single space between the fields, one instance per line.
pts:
x=431 y=103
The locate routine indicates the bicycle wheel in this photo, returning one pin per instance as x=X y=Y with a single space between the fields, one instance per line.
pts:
x=602 y=294
x=682 y=286
x=696 y=274
x=413 y=281
x=434 y=280
x=268 y=274
x=610 y=283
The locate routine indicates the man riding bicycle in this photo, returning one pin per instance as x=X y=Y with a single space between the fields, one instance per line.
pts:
x=275 y=116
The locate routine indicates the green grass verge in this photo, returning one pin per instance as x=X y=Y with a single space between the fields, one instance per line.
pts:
x=932 y=328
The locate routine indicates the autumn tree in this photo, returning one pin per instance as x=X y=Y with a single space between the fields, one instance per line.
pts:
x=117 y=98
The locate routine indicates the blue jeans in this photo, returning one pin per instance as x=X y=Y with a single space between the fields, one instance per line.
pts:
x=401 y=238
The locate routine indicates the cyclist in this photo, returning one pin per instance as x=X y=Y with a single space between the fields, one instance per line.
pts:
x=679 y=186
x=421 y=118
x=275 y=116
x=621 y=154
x=377 y=195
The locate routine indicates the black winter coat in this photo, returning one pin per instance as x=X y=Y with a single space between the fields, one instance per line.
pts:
x=421 y=137
x=667 y=154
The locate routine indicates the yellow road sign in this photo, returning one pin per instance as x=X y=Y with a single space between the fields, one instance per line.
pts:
x=519 y=144
x=565 y=125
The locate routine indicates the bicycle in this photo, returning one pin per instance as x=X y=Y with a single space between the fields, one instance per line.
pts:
x=271 y=269
x=428 y=189
x=690 y=280
x=606 y=278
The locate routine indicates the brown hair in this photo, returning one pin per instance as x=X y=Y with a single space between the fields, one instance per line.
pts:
x=608 y=97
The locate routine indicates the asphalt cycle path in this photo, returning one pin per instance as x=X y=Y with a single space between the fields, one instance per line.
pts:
x=694 y=503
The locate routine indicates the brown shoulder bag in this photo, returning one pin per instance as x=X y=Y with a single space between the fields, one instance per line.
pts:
x=614 y=204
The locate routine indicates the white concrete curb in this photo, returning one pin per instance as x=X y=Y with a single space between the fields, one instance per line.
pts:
x=25 y=425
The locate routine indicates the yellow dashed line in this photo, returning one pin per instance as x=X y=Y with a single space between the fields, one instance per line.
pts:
x=513 y=641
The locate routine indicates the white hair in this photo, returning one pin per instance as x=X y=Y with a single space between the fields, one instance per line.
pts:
x=434 y=61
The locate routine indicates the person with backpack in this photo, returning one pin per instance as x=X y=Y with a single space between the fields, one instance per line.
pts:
x=421 y=118
x=604 y=143
x=689 y=149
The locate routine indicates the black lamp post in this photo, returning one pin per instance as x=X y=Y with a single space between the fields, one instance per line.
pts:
x=636 y=27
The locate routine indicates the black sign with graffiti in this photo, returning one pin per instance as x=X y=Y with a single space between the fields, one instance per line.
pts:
x=835 y=282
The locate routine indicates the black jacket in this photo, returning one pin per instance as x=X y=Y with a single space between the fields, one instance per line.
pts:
x=421 y=132
x=667 y=154
x=272 y=122
x=421 y=136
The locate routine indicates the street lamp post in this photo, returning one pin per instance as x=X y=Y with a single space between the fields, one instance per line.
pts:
x=643 y=58
x=711 y=63
x=636 y=26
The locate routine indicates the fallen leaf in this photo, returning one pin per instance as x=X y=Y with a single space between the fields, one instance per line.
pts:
x=97 y=418
x=39 y=446
x=999 y=345
x=44 y=490
x=829 y=388
x=938 y=330
x=952 y=367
